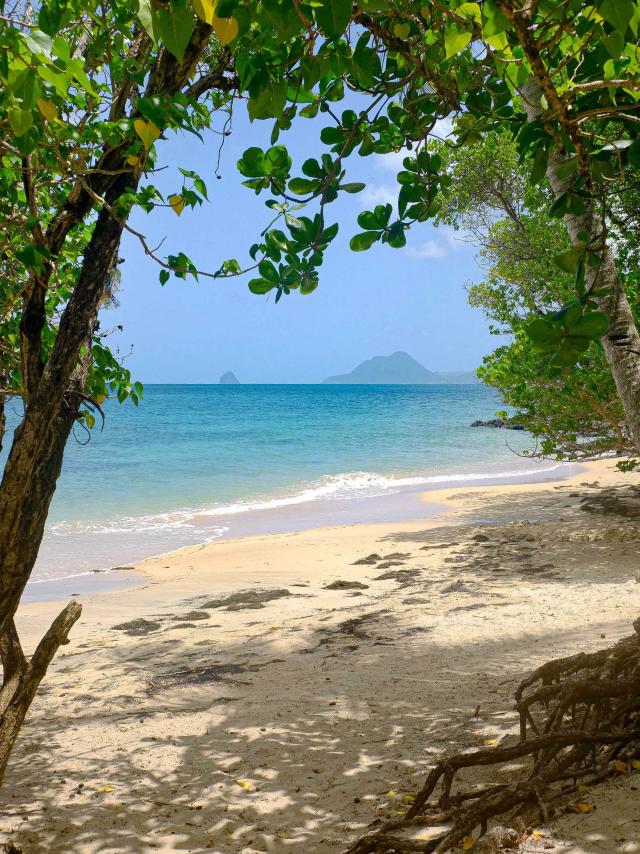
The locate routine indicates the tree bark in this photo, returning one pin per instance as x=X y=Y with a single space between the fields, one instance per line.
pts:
x=622 y=341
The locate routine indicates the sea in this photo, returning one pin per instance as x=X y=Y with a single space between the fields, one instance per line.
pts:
x=196 y=463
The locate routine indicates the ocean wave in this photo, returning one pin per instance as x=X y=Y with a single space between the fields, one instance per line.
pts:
x=177 y=520
x=345 y=486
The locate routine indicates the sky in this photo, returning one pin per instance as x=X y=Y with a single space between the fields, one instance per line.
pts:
x=368 y=303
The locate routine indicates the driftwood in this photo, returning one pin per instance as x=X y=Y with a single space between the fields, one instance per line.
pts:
x=21 y=678
x=579 y=723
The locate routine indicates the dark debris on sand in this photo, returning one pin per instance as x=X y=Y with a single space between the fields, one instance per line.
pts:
x=246 y=599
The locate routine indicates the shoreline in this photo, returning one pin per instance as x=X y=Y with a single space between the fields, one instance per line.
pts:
x=400 y=505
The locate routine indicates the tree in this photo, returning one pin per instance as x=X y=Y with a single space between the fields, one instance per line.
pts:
x=572 y=410
x=87 y=89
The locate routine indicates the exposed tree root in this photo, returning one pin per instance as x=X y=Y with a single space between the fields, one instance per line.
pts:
x=579 y=723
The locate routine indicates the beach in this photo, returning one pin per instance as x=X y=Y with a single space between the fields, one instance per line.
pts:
x=281 y=692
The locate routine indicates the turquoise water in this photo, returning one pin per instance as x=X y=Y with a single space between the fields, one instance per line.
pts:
x=195 y=463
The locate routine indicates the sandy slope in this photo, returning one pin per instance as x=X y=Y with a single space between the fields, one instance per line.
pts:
x=289 y=724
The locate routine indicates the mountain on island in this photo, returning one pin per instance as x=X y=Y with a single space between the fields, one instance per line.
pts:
x=229 y=378
x=398 y=369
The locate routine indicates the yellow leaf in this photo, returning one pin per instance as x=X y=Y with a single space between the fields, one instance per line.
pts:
x=247 y=785
x=582 y=788
x=226 y=29
x=536 y=834
x=490 y=741
x=100 y=398
x=177 y=203
x=48 y=110
x=147 y=131
x=468 y=842
x=105 y=789
x=580 y=807
x=204 y=9
x=391 y=793
x=132 y=160
x=408 y=799
x=621 y=766
x=636 y=764
x=502 y=692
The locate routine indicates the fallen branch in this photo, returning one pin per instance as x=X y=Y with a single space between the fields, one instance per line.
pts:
x=21 y=677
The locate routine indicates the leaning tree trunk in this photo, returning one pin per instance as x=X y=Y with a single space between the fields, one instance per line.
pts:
x=30 y=478
x=54 y=393
x=622 y=341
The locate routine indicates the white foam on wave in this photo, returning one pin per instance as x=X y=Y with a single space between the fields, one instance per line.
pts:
x=177 y=520
x=361 y=484
x=330 y=487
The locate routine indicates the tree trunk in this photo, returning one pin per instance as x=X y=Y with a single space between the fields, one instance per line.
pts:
x=622 y=341
x=35 y=459
x=53 y=400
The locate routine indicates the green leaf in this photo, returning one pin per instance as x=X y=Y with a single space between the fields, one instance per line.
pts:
x=153 y=109
x=364 y=240
x=354 y=187
x=539 y=166
x=592 y=325
x=312 y=168
x=38 y=42
x=270 y=101
x=174 y=27
x=302 y=186
x=568 y=261
x=26 y=89
x=268 y=271
x=560 y=206
x=493 y=21
x=148 y=18
x=455 y=40
x=333 y=16
x=543 y=332
x=260 y=286
x=618 y=13
x=396 y=236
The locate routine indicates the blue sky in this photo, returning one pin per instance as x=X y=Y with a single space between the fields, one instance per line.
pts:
x=368 y=303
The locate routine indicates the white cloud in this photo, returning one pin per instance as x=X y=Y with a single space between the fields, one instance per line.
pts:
x=392 y=161
x=434 y=249
x=378 y=194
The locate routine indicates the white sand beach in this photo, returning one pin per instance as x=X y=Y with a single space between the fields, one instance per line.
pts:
x=280 y=693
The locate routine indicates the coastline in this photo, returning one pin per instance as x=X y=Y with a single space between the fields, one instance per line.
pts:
x=287 y=516
x=168 y=705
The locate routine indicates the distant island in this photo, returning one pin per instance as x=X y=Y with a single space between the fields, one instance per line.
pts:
x=229 y=378
x=398 y=369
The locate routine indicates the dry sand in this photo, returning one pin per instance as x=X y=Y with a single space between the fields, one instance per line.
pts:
x=290 y=716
